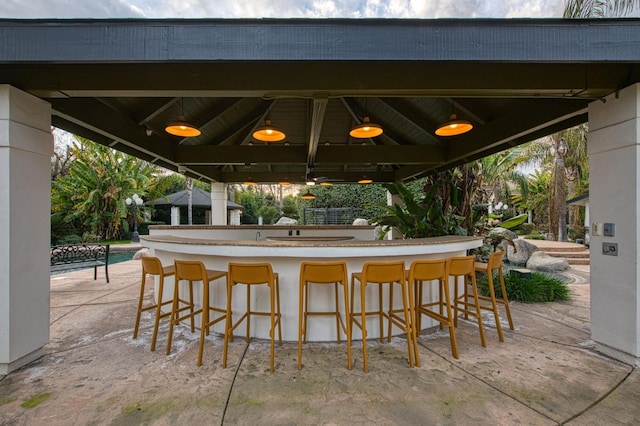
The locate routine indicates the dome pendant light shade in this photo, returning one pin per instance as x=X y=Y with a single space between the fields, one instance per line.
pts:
x=284 y=183
x=365 y=180
x=249 y=182
x=366 y=130
x=182 y=128
x=268 y=133
x=308 y=196
x=454 y=127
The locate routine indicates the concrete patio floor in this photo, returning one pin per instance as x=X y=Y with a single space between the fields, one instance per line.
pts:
x=94 y=373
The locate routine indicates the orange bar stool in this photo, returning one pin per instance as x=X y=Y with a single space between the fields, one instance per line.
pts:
x=495 y=265
x=426 y=271
x=382 y=273
x=323 y=273
x=195 y=271
x=468 y=303
x=251 y=274
x=153 y=266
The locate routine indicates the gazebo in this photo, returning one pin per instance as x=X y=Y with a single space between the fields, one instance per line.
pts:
x=122 y=82
x=172 y=208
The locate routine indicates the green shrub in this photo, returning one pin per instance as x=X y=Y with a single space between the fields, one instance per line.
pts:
x=539 y=288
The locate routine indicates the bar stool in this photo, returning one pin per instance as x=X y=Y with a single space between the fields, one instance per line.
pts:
x=381 y=273
x=253 y=274
x=463 y=266
x=323 y=273
x=495 y=264
x=153 y=266
x=426 y=271
x=194 y=271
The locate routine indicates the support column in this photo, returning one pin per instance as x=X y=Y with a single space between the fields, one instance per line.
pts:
x=614 y=195
x=218 y=203
x=392 y=199
x=26 y=147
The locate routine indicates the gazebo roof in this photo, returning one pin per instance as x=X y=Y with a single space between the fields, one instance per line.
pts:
x=119 y=82
x=200 y=198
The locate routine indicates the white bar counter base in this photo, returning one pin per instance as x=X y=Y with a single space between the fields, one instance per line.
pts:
x=286 y=253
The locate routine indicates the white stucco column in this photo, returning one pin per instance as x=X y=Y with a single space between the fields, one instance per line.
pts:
x=26 y=147
x=614 y=197
x=218 y=203
x=391 y=200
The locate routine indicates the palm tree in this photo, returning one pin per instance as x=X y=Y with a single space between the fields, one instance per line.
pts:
x=581 y=9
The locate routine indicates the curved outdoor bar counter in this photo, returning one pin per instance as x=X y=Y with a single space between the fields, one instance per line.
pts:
x=216 y=247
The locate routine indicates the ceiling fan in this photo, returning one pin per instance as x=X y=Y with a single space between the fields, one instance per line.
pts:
x=312 y=179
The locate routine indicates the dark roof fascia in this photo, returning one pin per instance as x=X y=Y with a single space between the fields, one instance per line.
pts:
x=209 y=40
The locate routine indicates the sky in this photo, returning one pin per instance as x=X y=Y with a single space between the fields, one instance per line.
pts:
x=229 y=9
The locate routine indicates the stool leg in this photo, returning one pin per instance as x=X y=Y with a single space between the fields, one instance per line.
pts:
x=363 y=318
x=335 y=287
x=348 y=322
x=158 y=313
x=142 y=284
x=505 y=299
x=204 y=317
x=193 y=324
x=248 y=313
x=228 y=324
x=273 y=324
x=173 y=316
x=444 y=285
x=301 y=313
x=494 y=305
x=412 y=323
x=476 y=301
x=407 y=324
x=278 y=313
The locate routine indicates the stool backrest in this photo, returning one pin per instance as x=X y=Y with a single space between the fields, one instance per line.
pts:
x=495 y=260
x=461 y=265
x=383 y=272
x=427 y=270
x=151 y=265
x=250 y=273
x=323 y=272
x=191 y=270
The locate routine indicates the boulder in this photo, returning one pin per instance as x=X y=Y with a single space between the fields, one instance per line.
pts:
x=286 y=221
x=140 y=253
x=503 y=232
x=522 y=252
x=541 y=261
x=360 y=222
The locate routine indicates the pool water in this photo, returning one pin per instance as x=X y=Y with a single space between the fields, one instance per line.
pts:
x=117 y=256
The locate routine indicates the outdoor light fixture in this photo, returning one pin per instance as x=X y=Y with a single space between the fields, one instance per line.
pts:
x=181 y=127
x=284 y=183
x=308 y=196
x=249 y=182
x=365 y=180
x=268 y=133
x=366 y=129
x=134 y=201
x=325 y=183
x=454 y=127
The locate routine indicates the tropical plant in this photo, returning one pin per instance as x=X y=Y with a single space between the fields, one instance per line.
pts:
x=91 y=198
x=540 y=287
x=445 y=207
x=581 y=9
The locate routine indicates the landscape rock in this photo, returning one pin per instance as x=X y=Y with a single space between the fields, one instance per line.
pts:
x=360 y=222
x=522 y=252
x=541 y=261
x=286 y=221
x=503 y=232
x=141 y=253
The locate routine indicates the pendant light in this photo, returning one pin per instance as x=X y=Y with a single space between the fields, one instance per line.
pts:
x=365 y=180
x=308 y=195
x=250 y=182
x=181 y=127
x=454 y=126
x=366 y=130
x=284 y=183
x=325 y=183
x=268 y=133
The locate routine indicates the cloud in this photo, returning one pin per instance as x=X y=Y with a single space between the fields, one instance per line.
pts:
x=426 y=9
